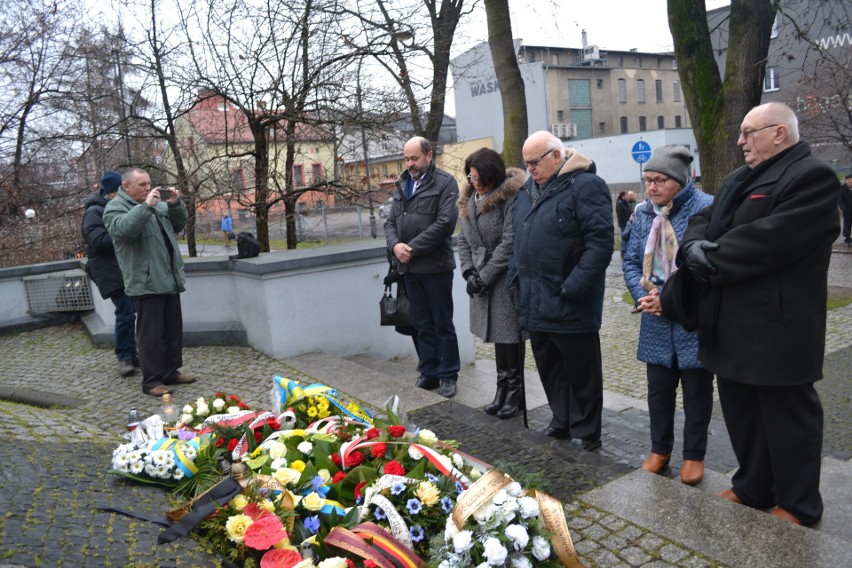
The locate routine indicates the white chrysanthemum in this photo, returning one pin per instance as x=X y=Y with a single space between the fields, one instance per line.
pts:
x=427 y=437
x=514 y=489
x=458 y=461
x=452 y=561
x=200 y=400
x=202 y=410
x=233 y=410
x=137 y=467
x=178 y=474
x=414 y=453
x=484 y=514
x=518 y=535
x=189 y=452
x=278 y=463
x=305 y=447
x=218 y=404
x=186 y=419
x=162 y=471
x=119 y=461
x=528 y=507
x=123 y=449
x=187 y=409
x=500 y=497
x=463 y=541
x=450 y=529
x=540 y=548
x=494 y=551
x=508 y=510
x=519 y=561
x=151 y=469
x=159 y=456
x=482 y=565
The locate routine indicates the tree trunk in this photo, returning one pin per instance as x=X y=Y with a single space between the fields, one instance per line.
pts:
x=261 y=183
x=515 y=127
x=716 y=106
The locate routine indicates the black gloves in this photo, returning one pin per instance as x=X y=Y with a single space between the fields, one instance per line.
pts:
x=475 y=284
x=695 y=256
x=392 y=278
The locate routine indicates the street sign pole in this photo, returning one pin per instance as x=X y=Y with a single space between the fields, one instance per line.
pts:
x=641 y=153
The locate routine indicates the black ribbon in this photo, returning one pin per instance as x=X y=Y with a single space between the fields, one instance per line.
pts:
x=217 y=496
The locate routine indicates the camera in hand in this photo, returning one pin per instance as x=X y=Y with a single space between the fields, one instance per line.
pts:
x=165 y=193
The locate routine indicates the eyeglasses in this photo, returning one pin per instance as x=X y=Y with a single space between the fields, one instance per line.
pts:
x=659 y=182
x=534 y=163
x=749 y=133
x=472 y=179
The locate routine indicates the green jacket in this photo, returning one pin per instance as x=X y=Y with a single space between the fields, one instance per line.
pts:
x=137 y=231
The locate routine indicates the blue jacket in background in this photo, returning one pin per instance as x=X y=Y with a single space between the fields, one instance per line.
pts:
x=563 y=244
x=660 y=339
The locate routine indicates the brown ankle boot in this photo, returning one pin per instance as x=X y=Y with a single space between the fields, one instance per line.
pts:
x=691 y=472
x=656 y=462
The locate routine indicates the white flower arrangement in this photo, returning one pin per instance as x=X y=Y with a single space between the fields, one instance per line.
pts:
x=144 y=461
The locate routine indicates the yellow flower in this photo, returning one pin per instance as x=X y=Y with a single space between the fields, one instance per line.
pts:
x=313 y=501
x=325 y=475
x=428 y=493
x=256 y=452
x=298 y=465
x=324 y=414
x=236 y=527
x=267 y=505
x=285 y=475
x=239 y=501
x=312 y=412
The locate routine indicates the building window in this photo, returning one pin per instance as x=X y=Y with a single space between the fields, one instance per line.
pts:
x=531 y=56
x=643 y=126
x=658 y=62
x=658 y=86
x=624 y=125
x=600 y=83
x=316 y=173
x=770 y=80
x=776 y=26
x=560 y=116
x=661 y=122
x=677 y=121
x=676 y=91
x=602 y=128
x=299 y=175
x=579 y=93
x=555 y=59
x=238 y=180
x=640 y=91
x=674 y=63
x=622 y=90
x=621 y=62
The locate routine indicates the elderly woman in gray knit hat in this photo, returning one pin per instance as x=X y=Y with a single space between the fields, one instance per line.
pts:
x=670 y=352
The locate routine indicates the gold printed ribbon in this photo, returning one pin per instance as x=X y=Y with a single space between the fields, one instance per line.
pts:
x=553 y=516
x=479 y=494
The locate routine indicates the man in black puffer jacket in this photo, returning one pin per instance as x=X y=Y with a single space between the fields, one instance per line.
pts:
x=563 y=243
x=102 y=267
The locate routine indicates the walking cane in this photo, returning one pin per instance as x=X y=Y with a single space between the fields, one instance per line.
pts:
x=522 y=358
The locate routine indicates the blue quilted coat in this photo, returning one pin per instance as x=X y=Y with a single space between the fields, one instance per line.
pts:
x=660 y=339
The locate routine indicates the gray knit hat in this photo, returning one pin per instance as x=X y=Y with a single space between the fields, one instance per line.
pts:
x=672 y=160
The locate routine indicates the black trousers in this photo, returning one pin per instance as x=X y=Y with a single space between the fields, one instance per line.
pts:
x=431 y=299
x=572 y=376
x=159 y=339
x=697 y=385
x=776 y=433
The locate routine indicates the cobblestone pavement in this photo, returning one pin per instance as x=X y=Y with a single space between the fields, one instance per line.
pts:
x=55 y=460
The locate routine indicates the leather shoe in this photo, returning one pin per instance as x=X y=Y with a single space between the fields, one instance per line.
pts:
x=158 y=390
x=587 y=445
x=558 y=433
x=655 y=463
x=183 y=380
x=691 y=472
x=448 y=389
x=427 y=383
x=785 y=515
x=729 y=495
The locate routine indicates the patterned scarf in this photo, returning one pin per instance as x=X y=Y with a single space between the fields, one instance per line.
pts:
x=660 y=251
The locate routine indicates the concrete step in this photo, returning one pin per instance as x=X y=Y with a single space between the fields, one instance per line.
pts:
x=730 y=533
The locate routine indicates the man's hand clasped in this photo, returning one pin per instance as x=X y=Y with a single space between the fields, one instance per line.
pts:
x=695 y=256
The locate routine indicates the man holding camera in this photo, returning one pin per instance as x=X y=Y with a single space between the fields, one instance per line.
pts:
x=143 y=223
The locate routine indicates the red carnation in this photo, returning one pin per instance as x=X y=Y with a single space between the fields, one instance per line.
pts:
x=358 y=489
x=335 y=459
x=243 y=405
x=372 y=433
x=396 y=431
x=234 y=398
x=219 y=395
x=370 y=564
x=393 y=467
x=232 y=443
x=378 y=450
x=220 y=442
x=338 y=477
x=355 y=458
x=273 y=423
x=349 y=563
x=258 y=436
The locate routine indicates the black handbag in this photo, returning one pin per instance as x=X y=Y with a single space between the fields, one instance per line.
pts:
x=395 y=310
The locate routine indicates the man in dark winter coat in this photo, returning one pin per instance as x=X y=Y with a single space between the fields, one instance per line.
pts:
x=102 y=267
x=846 y=208
x=419 y=231
x=563 y=243
x=762 y=252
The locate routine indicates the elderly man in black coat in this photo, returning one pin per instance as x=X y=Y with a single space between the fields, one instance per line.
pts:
x=762 y=252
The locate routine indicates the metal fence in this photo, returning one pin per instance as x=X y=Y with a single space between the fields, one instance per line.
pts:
x=318 y=225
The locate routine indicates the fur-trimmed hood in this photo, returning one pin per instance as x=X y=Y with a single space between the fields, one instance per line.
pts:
x=515 y=178
x=574 y=160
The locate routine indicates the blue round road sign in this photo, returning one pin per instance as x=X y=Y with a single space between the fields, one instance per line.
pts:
x=641 y=152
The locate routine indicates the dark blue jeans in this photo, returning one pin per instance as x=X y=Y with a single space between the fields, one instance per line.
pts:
x=431 y=297
x=125 y=327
